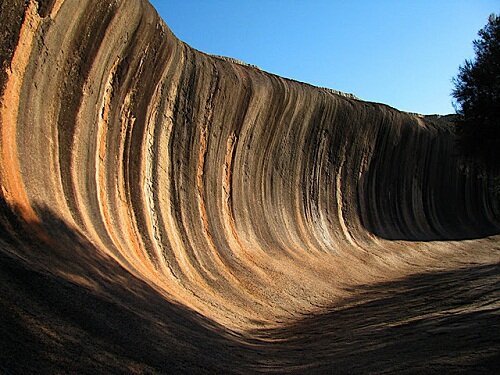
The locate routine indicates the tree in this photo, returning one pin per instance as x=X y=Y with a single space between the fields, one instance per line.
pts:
x=477 y=94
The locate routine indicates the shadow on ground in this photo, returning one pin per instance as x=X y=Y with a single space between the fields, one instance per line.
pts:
x=68 y=308
x=443 y=322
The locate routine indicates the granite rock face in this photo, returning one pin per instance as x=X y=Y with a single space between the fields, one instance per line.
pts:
x=167 y=210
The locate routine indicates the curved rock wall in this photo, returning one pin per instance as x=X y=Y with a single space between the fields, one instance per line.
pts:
x=246 y=197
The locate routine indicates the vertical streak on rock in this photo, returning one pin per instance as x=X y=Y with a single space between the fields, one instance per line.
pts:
x=200 y=186
x=339 y=198
x=12 y=183
x=56 y=6
x=159 y=163
x=102 y=158
x=226 y=186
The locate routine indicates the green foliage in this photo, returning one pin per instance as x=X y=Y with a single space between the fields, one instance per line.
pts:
x=477 y=94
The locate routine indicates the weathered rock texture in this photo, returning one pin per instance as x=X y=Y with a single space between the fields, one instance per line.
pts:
x=167 y=210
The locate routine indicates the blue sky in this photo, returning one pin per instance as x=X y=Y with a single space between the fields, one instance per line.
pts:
x=402 y=53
